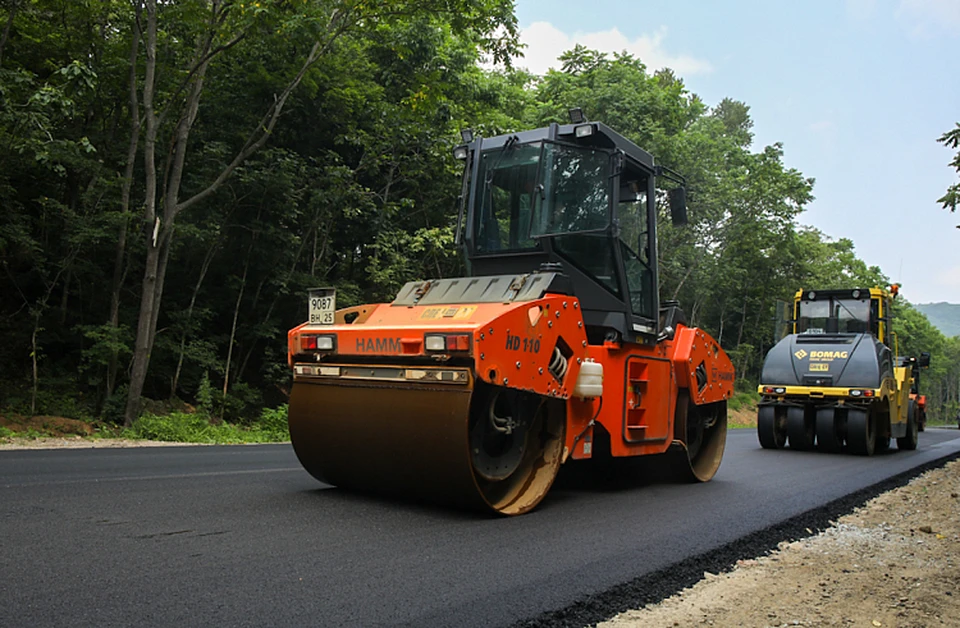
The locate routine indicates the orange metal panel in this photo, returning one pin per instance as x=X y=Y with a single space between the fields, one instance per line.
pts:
x=639 y=393
x=693 y=348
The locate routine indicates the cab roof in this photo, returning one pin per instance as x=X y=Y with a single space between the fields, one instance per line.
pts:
x=602 y=137
x=874 y=292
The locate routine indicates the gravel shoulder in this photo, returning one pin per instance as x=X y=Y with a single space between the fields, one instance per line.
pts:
x=895 y=561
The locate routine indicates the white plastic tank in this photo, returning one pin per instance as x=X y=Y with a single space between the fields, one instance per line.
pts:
x=589 y=381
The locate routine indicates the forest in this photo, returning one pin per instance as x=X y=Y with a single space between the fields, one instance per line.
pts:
x=174 y=176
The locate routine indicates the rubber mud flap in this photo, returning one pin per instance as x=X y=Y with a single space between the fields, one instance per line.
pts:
x=402 y=439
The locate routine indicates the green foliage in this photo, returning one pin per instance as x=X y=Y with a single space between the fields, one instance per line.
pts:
x=205 y=395
x=951 y=139
x=106 y=342
x=178 y=427
x=273 y=421
x=914 y=332
x=745 y=400
x=181 y=427
x=28 y=434
x=241 y=402
x=5 y=433
x=57 y=396
x=113 y=406
x=399 y=257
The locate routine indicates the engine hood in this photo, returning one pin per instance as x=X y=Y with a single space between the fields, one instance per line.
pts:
x=843 y=360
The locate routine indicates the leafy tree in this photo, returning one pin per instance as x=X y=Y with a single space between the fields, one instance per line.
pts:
x=951 y=139
x=218 y=26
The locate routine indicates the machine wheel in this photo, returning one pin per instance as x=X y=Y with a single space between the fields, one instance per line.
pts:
x=882 y=427
x=771 y=428
x=801 y=428
x=702 y=436
x=829 y=438
x=908 y=442
x=861 y=432
x=516 y=442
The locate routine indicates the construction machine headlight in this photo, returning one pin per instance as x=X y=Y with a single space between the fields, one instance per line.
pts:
x=856 y=392
x=584 y=130
x=316 y=342
x=435 y=342
x=460 y=153
x=774 y=390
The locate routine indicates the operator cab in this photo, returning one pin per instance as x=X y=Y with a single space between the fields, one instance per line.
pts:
x=865 y=310
x=578 y=195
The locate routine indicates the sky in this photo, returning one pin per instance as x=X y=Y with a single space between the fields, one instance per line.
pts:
x=857 y=91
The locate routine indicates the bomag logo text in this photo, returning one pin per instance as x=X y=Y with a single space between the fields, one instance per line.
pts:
x=378 y=345
x=829 y=355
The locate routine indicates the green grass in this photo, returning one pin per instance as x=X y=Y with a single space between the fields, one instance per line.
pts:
x=181 y=427
x=30 y=434
x=743 y=401
x=742 y=410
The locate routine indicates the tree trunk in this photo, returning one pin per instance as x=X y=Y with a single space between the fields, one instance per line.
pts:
x=141 y=351
x=119 y=274
x=33 y=357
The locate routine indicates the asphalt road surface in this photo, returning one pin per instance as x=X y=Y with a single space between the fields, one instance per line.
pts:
x=242 y=536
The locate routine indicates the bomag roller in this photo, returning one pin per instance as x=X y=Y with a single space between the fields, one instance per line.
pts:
x=472 y=391
x=836 y=379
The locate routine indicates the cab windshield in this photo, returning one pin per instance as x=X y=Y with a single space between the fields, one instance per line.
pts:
x=834 y=315
x=538 y=189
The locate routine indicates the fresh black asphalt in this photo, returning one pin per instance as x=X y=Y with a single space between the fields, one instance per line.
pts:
x=242 y=536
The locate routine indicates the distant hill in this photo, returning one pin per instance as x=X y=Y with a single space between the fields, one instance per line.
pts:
x=943 y=316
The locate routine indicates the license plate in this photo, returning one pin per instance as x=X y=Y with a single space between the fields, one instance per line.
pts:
x=322 y=308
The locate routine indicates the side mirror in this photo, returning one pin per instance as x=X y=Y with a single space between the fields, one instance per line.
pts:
x=924 y=359
x=678 y=205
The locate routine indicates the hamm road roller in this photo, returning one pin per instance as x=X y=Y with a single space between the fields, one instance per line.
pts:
x=836 y=379
x=473 y=391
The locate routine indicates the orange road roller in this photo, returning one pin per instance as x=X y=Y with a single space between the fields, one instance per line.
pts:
x=473 y=391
